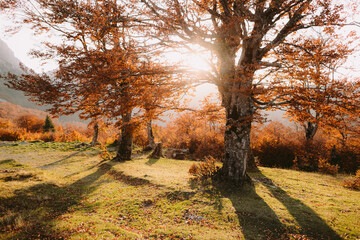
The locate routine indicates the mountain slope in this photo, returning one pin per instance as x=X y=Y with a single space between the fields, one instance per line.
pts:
x=9 y=63
x=12 y=111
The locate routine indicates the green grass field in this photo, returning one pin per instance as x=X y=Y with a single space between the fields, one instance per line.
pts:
x=58 y=191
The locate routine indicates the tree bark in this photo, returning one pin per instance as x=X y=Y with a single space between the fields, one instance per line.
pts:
x=237 y=138
x=236 y=98
x=150 y=134
x=126 y=139
x=310 y=131
x=94 y=141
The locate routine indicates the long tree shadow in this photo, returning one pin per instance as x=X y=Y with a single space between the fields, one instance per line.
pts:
x=58 y=162
x=257 y=219
x=46 y=166
x=312 y=225
x=30 y=211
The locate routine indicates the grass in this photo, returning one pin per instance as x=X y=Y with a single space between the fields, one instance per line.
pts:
x=59 y=191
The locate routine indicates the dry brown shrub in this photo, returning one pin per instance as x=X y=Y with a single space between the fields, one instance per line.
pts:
x=204 y=170
x=274 y=144
x=325 y=167
x=10 y=135
x=48 y=137
x=353 y=183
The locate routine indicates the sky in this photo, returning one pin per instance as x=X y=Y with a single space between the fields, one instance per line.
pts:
x=23 y=41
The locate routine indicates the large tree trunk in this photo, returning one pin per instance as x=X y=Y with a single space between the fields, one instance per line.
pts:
x=126 y=140
x=96 y=134
x=237 y=138
x=235 y=88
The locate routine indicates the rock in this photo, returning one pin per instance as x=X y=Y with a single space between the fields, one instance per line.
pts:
x=179 y=154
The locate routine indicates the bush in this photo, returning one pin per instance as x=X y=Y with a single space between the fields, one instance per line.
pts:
x=104 y=154
x=30 y=123
x=275 y=154
x=275 y=145
x=5 y=123
x=48 y=137
x=140 y=136
x=10 y=135
x=198 y=135
x=353 y=183
x=325 y=167
x=204 y=170
x=348 y=157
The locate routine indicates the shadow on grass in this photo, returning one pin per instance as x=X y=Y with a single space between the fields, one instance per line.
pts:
x=29 y=214
x=311 y=223
x=152 y=161
x=130 y=180
x=10 y=163
x=59 y=161
x=259 y=221
x=30 y=211
x=49 y=165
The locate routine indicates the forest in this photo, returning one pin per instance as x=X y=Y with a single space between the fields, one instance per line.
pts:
x=157 y=157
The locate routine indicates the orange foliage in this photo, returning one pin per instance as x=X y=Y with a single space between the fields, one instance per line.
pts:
x=9 y=135
x=12 y=111
x=276 y=145
x=5 y=123
x=30 y=123
x=325 y=167
x=316 y=97
x=205 y=169
x=68 y=133
x=353 y=183
x=202 y=137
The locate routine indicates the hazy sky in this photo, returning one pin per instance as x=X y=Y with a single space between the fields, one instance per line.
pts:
x=22 y=42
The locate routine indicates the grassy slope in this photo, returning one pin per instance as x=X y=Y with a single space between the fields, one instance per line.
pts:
x=55 y=191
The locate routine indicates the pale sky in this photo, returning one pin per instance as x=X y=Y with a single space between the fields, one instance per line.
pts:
x=22 y=42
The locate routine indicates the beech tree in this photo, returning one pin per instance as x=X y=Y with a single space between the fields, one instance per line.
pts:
x=317 y=97
x=242 y=35
x=103 y=71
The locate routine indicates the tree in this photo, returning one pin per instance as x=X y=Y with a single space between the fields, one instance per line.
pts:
x=242 y=36
x=318 y=98
x=48 y=125
x=30 y=123
x=103 y=71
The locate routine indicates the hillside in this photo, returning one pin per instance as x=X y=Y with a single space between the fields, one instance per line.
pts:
x=12 y=111
x=56 y=191
x=9 y=63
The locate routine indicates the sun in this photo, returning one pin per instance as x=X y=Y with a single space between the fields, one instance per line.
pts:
x=194 y=60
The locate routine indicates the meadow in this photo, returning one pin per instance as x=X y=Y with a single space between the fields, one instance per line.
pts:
x=65 y=191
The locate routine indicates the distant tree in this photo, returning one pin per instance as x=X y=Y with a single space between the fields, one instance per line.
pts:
x=317 y=98
x=30 y=123
x=48 y=125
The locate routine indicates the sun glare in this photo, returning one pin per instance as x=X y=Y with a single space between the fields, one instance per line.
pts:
x=195 y=61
